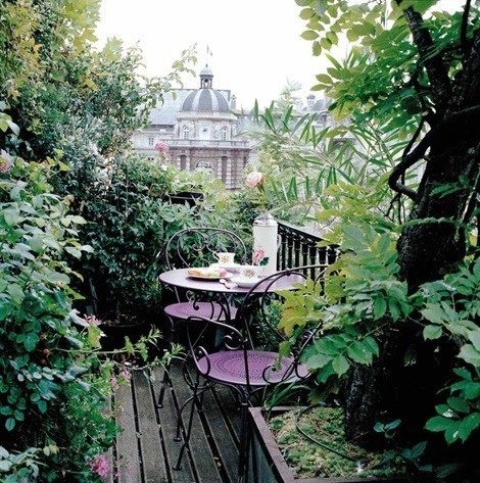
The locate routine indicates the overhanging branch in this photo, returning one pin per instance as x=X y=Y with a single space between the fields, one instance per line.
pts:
x=411 y=157
x=435 y=67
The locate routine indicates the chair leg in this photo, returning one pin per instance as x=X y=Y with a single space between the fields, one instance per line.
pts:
x=244 y=443
x=166 y=382
x=188 y=432
x=179 y=416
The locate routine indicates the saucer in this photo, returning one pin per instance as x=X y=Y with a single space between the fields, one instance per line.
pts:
x=245 y=282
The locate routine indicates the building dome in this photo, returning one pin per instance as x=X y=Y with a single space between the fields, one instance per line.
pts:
x=205 y=99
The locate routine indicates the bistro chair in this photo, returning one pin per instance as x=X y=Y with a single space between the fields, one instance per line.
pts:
x=247 y=361
x=196 y=247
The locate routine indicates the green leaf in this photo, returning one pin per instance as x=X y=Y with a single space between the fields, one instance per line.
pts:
x=36 y=244
x=317 y=361
x=31 y=341
x=42 y=406
x=12 y=216
x=435 y=314
x=372 y=345
x=468 y=425
x=340 y=364
x=307 y=13
x=438 y=424
x=458 y=404
x=10 y=424
x=74 y=252
x=469 y=354
x=474 y=337
x=324 y=79
x=309 y=35
x=359 y=352
x=379 y=308
x=431 y=332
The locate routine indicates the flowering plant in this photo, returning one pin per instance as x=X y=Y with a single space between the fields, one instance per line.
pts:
x=162 y=148
x=162 y=151
x=255 y=179
x=6 y=161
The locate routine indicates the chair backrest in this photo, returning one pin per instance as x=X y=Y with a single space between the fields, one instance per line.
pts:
x=256 y=327
x=196 y=247
x=260 y=308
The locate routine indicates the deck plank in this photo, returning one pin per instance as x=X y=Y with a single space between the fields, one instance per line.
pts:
x=222 y=436
x=146 y=447
x=153 y=461
x=168 y=424
x=128 y=462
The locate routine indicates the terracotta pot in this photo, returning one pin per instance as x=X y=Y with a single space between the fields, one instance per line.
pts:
x=267 y=464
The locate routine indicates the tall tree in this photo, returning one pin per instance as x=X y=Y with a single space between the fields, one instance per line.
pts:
x=413 y=69
x=412 y=66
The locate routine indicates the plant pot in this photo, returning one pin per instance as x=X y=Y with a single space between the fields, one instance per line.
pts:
x=267 y=464
x=189 y=197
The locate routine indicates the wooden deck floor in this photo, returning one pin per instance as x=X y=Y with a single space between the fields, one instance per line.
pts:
x=146 y=451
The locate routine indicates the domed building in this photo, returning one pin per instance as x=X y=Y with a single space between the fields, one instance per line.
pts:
x=200 y=129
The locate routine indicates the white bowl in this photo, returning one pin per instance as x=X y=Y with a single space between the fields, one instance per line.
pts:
x=245 y=282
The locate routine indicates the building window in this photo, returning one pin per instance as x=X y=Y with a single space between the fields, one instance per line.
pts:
x=186 y=132
x=151 y=141
x=223 y=134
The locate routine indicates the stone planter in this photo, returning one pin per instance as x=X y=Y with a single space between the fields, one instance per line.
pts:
x=267 y=464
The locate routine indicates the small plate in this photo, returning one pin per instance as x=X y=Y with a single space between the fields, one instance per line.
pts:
x=208 y=276
x=230 y=267
x=245 y=282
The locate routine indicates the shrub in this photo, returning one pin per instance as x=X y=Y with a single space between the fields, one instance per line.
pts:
x=48 y=362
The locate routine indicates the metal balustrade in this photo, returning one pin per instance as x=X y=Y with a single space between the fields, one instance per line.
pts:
x=299 y=247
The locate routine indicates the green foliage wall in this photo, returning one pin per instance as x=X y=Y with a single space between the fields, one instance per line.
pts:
x=66 y=111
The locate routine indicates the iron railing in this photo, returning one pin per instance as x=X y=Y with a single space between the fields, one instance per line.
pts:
x=299 y=247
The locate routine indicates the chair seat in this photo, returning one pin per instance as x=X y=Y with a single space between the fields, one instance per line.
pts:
x=211 y=310
x=229 y=367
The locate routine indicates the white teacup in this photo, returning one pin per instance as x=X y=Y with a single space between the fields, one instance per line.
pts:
x=249 y=271
x=226 y=258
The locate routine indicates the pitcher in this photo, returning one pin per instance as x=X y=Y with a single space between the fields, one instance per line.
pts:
x=265 y=244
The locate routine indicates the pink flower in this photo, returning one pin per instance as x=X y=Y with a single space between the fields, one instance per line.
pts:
x=6 y=161
x=161 y=147
x=100 y=465
x=114 y=383
x=254 y=179
x=92 y=320
x=258 y=256
x=125 y=374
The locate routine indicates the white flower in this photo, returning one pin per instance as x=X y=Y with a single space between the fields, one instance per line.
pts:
x=254 y=179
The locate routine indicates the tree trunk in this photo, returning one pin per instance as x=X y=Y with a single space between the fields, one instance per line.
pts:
x=432 y=244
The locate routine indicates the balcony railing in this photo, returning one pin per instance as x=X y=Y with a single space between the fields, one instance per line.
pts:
x=299 y=247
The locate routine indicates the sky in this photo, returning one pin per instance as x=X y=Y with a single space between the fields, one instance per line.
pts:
x=255 y=45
